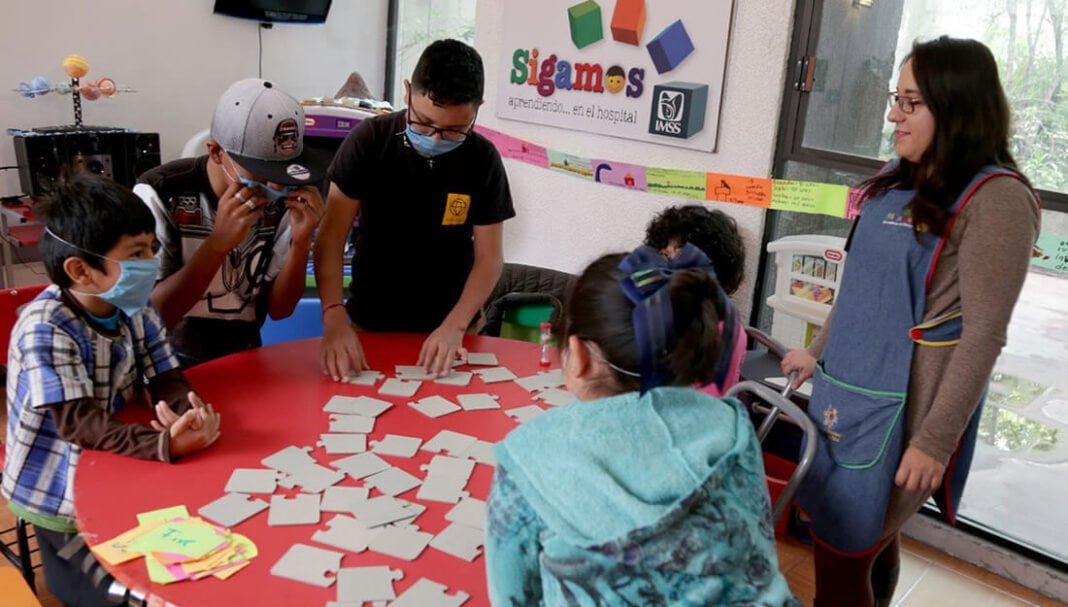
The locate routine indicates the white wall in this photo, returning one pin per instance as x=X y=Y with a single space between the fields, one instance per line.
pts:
x=563 y=222
x=179 y=56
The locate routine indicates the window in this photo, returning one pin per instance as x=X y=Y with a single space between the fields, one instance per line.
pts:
x=845 y=57
x=413 y=25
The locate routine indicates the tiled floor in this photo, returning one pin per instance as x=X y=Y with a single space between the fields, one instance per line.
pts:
x=929 y=578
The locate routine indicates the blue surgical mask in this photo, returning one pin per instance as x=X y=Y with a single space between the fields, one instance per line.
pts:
x=272 y=194
x=131 y=291
x=428 y=145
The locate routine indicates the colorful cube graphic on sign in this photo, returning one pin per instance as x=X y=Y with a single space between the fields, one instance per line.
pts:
x=670 y=47
x=628 y=21
x=678 y=109
x=585 y=21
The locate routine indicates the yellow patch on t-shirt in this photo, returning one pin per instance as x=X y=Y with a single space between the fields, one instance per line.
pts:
x=456 y=208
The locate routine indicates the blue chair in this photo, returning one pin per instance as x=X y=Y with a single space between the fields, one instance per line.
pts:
x=305 y=321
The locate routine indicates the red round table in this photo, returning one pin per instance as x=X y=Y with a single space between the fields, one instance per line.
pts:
x=271 y=398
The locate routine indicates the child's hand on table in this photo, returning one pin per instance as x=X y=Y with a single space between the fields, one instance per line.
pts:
x=195 y=429
x=165 y=416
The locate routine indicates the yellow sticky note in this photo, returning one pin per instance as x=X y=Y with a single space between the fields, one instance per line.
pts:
x=232 y=569
x=117 y=550
x=688 y=184
x=809 y=197
x=163 y=514
x=750 y=191
x=181 y=541
x=157 y=572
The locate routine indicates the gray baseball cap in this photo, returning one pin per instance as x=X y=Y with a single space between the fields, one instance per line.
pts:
x=262 y=129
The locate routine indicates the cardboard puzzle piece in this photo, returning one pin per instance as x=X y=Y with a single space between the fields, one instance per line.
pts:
x=425 y=593
x=399 y=387
x=383 y=510
x=670 y=47
x=252 y=480
x=446 y=490
x=481 y=451
x=359 y=424
x=357 y=405
x=435 y=406
x=542 y=381
x=470 y=511
x=405 y=543
x=584 y=19
x=493 y=375
x=343 y=499
x=312 y=478
x=303 y=563
x=628 y=21
x=343 y=443
x=362 y=378
x=442 y=466
x=461 y=541
x=302 y=509
x=361 y=465
x=346 y=533
x=413 y=373
x=556 y=397
x=455 y=378
x=484 y=359
x=367 y=584
x=289 y=460
x=393 y=481
x=525 y=413
x=232 y=508
x=397 y=445
x=449 y=441
x=478 y=402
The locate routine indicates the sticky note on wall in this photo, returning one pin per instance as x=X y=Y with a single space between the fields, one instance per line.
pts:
x=751 y=191
x=809 y=197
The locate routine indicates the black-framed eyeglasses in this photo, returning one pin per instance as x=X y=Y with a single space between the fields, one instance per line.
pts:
x=448 y=134
x=905 y=104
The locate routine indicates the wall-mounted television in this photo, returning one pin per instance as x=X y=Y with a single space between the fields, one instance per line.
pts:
x=275 y=11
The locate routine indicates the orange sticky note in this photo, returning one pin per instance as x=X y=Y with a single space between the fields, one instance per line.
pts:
x=751 y=191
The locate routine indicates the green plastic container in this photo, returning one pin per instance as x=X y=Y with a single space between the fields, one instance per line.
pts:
x=524 y=323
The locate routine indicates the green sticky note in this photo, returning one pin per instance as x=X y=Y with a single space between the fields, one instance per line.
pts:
x=576 y=166
x=163 y=514
x=192 y=538
x=688 y=184
x=809 y=197
x=157 y=572
x=1051 y=252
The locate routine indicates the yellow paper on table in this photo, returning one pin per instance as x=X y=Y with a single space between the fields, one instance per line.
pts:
x=225 y=574
x=163 y=514
x=157 y=572
x=117 y=550
x=809 y=197
x=181 y=541
x=239 y=552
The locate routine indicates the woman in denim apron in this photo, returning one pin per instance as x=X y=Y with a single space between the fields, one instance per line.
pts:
x=936 y=261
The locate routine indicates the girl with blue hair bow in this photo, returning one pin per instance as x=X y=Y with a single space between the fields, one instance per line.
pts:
x=646 y=491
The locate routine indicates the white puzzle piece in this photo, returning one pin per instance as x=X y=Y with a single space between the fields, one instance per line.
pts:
x=252 y=480
x=480 y=451
x=441 y=466
x=343 y=443
x=443 y=489
x=343 y=499
x=557 y=397
x=313 y=478
x=478 y=402
x=412 y=372
x=383 y=510
x=492 y=375
x=399 y=387
x=405 y=543
x=461 y=541
x=455 y=378
x=362 y=378
x=542 y=381
x=360 y=465
x=359 y=424
x=425 y=593
x=524 y=414
x=393 y=481
x=366 y=584
x=470 y=511
x=289 y=460
x=486 y=359
x=302 y=509
x=357 y=405
x=232 y=508
x=449 y=441
x=308 y=564
x=435 y=406
x=346 y=533
x=396 y=445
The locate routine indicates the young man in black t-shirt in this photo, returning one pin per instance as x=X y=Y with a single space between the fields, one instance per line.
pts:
x=432 y=197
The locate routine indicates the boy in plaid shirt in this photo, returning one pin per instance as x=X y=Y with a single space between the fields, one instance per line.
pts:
x=86 y=346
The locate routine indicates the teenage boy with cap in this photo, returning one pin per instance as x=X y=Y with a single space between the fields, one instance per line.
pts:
x=432 y=196
x=236 y=224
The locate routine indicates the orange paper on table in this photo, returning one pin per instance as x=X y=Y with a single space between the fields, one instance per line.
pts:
x=751 y=191
x=115 y=551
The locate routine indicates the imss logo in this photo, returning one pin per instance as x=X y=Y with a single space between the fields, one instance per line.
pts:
x=678 y=109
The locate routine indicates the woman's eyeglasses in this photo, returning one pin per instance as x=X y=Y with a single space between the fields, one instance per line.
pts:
x=906 y=104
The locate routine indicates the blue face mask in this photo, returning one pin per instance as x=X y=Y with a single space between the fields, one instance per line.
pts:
x=130 y=292
x=428 y=145
x=272 y=194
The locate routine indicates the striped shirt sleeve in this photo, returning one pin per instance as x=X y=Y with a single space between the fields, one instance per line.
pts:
x=52 y=365
x=157 y=354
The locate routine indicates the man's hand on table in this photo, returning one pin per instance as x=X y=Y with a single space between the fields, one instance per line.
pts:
x=440 y=349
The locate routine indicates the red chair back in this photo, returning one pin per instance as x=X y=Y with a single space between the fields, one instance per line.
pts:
x=10 y=302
